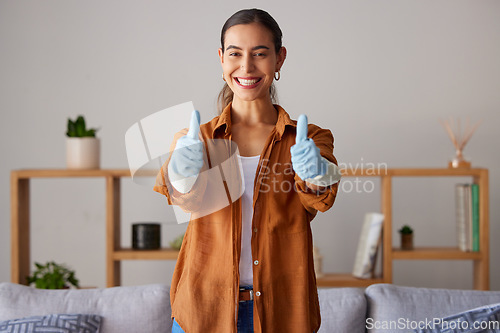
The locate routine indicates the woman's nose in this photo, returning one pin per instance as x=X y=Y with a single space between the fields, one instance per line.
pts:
x=247 y=64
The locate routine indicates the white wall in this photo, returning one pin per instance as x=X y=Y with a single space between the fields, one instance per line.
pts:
x=379 y=74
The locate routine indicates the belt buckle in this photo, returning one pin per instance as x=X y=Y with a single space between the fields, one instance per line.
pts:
x=251 y=293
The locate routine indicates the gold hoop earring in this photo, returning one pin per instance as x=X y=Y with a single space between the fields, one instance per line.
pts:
x=223 y=79
x=279 y=75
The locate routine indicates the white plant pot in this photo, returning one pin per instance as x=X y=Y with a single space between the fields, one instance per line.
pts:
x=83 y=153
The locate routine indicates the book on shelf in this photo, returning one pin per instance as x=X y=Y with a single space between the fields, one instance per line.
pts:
x=369 y=241
x=475 y=217
x=467 y=216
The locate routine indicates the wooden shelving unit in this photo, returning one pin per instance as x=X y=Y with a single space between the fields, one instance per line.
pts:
x=20 y=226
x=435 y=253
x=345 y=280
x=130 y=254
x=389 y=253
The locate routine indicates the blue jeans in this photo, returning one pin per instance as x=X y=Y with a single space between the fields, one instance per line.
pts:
x=245 y=318
x=245 y=315
x=176 y=328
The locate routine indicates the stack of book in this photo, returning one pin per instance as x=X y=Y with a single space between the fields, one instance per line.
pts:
x=467 y=212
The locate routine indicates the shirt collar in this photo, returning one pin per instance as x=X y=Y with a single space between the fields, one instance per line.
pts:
x=283 y=120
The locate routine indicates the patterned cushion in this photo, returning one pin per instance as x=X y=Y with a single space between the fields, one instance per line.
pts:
x=484 y=319
x=60 y=323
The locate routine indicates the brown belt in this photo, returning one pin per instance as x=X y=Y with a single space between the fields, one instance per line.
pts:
x=246 y=295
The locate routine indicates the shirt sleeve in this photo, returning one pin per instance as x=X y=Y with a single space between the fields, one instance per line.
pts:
x=313 y=200
x=188 y=202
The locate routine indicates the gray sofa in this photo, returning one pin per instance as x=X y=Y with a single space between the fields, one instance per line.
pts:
x=147 y=308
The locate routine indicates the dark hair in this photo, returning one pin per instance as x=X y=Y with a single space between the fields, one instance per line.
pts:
x=247 y=16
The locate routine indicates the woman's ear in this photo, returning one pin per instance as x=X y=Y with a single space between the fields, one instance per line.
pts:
x=221 y=56
x=281 y=58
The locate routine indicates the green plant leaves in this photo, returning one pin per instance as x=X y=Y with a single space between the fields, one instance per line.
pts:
x=52 y=276
x=71 y=132
x=406 y=229
x=90 y=132
x=177 y=242
x=78 y=128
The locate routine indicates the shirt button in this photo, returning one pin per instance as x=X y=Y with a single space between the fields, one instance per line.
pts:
x=257 y=293
x=254 y=229
x=256 y=262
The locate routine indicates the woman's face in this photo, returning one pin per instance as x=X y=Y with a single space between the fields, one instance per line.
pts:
x=249 y=61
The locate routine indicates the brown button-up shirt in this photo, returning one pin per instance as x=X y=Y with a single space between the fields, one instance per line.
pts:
x=205 y=283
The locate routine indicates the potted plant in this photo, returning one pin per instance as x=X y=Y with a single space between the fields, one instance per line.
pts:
x=406 y=237
x=82 y=146
x=177 y=242
x=52 y=276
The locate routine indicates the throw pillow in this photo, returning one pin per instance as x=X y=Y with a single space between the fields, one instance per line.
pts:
x=484 y=319
x=61 y=323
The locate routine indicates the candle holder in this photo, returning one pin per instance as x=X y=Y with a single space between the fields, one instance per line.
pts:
x=146 y=236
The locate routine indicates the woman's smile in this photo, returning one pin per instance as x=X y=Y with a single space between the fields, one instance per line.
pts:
x=247 y=82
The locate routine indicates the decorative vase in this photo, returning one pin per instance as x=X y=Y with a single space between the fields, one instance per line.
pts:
x=82 y=153
x=406 y=241
x=459 y=139
x=459 y=161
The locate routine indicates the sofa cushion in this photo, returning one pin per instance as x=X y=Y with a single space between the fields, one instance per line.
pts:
x=484 y=319
x=342 y=310
x=124 y=309
x=62 y=323
x=395 y=309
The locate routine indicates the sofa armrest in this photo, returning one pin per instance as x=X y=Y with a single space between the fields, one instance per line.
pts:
x=124 y=309
x=390 y=304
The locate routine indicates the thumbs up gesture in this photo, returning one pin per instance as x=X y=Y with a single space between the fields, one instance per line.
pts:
x=187 y=158
x=306 y=158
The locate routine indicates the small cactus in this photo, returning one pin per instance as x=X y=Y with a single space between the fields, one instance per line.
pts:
x=406 y=230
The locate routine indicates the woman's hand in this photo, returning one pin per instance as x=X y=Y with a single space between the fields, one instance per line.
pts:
x=307 y=161
x=187 y=157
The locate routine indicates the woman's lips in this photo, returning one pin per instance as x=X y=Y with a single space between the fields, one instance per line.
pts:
x=247 y=82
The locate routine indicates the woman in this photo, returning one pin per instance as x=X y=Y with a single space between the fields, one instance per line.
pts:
x=249 y=266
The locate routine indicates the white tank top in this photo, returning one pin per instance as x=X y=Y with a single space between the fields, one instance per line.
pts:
x=249 y=166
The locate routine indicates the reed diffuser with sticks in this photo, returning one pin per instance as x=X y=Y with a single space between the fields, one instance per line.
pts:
x=459 y=140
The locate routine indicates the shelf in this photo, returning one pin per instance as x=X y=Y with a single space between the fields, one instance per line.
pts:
x=435 y=253
x=69 y=173
x=345 y=280
x=20 y=224
x=432 y=172
x=130 y=254
x=407 y=172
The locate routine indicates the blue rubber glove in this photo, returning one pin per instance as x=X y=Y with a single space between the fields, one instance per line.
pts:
x=187 y=158
x=307 y=162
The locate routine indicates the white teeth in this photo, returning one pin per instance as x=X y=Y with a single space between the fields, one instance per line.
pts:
x=244 y=82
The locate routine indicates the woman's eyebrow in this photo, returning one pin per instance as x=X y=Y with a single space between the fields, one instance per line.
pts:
x=253 y=48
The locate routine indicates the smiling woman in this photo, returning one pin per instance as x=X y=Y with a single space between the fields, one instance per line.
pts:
x=248 y=267
x=249 y=61
x=256 y=27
